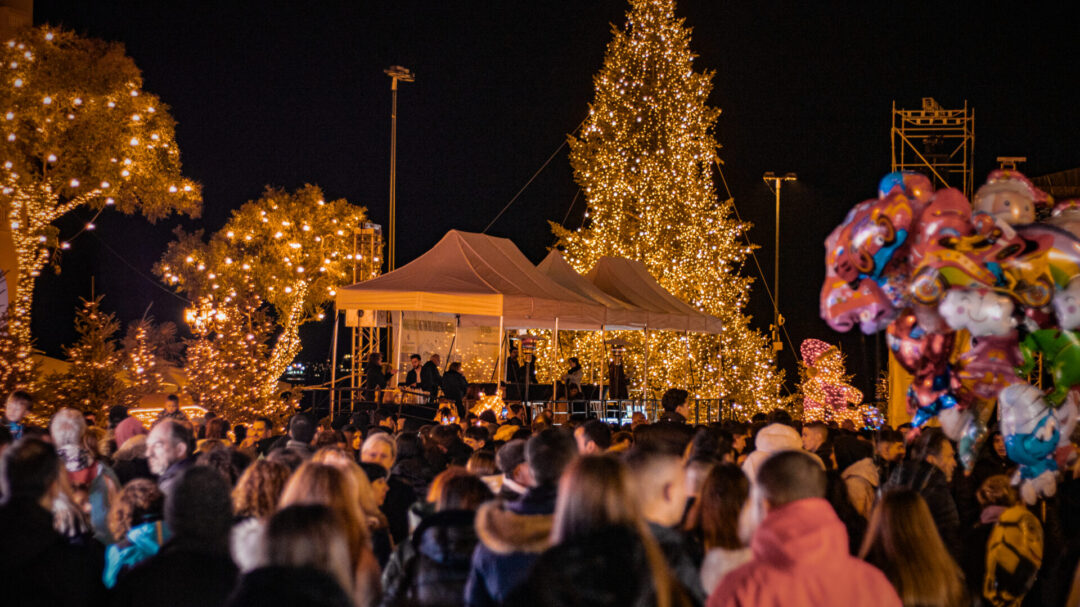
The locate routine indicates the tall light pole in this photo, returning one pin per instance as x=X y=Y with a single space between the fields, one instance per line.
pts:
x=776 y=180
x=396 y=72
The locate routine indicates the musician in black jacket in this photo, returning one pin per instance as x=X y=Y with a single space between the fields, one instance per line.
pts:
x=431 y=378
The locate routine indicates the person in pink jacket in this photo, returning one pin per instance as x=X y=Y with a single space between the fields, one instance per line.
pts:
x=800 y=548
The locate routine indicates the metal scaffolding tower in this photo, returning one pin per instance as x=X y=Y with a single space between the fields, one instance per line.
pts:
x=935 y=141
x=366 y=328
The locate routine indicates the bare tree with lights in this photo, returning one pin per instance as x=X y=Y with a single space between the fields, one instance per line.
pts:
x=644 y=160
x=272 y=268
x=77 y=131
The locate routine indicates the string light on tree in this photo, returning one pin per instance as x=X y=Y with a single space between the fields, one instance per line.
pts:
x=826 y=389
x=272 y=268
x=68 y=104
x=644 y=160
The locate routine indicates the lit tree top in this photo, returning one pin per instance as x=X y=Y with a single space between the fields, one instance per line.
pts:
x=289 y=251
x=76 y=129
x=644 y=160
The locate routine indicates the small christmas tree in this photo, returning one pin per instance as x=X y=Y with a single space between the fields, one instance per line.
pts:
x=91 y=382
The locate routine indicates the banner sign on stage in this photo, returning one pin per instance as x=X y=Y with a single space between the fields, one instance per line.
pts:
x=427 y=333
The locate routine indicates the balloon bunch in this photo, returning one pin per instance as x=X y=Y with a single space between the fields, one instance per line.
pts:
x=970 y=295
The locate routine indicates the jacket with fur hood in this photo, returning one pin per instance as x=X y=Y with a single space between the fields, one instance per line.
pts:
x=512 y=536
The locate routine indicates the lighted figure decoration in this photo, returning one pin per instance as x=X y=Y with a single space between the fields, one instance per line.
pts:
x=825 y=388
x=644 y=161
x=76 y=130
x=971 y=291
x=272 y=268
x=490 y=402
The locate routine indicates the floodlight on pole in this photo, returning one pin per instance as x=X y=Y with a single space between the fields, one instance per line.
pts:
x=775 y=180
x=396 y=72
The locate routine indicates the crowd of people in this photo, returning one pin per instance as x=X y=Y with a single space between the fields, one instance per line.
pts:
x=483 y=511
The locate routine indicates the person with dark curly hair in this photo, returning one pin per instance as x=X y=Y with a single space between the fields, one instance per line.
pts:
x=136 y=518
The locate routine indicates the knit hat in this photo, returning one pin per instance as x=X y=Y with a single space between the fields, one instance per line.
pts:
x=772 y=439
x=131 y=426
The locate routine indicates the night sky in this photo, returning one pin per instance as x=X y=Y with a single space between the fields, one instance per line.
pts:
x=292 y=93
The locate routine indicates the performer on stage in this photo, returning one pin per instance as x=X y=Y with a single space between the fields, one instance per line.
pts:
x=431 y=378
x=572 y=379
x=455 y=386
x=412 y=378
x=617 y=384
x=515 y=372
x=375 y=378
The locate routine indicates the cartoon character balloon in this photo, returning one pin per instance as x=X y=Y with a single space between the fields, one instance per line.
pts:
x=980 y=311
x=1032 y=431
x=1009 y=196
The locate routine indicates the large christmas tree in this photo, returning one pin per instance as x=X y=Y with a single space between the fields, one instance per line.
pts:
x=645 y=160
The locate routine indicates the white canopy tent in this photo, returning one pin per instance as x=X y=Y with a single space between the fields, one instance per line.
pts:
x=483 y=280
x=631 y=282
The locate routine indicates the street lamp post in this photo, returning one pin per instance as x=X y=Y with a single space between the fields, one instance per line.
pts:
x=396 y=72
x=777 y=321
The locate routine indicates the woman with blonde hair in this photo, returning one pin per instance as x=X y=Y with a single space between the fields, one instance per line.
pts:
x=327 y=485
x=603 y=553
x=902 y=541
x=378 y=528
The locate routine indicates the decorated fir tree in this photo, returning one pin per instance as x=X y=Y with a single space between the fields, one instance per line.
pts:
x=645 y=162
x=91 y=382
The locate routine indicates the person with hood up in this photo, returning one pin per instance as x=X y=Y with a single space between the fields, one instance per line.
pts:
x=800 y=548
x=855 y=460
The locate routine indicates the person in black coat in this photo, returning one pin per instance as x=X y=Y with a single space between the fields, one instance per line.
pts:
x=431 y=378
x=375 y=379
x=454 y=387
x=194 y=567
x=432 y=567
x=929 y=472
x=37 y=565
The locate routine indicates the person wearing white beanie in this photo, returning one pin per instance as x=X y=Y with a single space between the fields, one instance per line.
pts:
x=772 y=439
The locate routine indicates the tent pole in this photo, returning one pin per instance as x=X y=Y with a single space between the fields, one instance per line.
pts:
x=500 y=361
x=554 y=378
x=690 y=369
x=399 y=322
x=333 y=361
x=603 y=374
x=646 y=394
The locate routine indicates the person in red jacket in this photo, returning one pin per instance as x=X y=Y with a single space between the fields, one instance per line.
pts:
x=800 y=549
